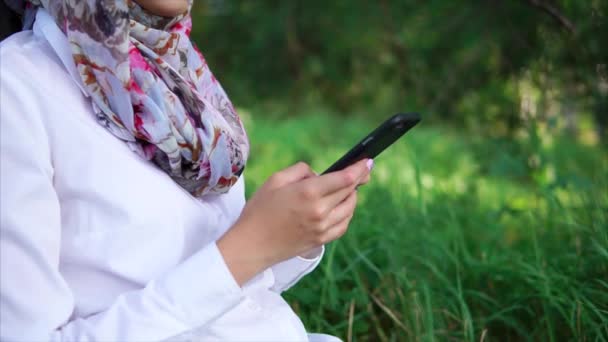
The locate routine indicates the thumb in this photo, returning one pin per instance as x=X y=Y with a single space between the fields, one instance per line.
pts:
x=292 y=174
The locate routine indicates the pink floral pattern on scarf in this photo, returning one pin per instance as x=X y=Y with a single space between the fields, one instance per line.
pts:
x=153 y=89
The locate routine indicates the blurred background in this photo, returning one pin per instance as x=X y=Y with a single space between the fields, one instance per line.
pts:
x=489 y=220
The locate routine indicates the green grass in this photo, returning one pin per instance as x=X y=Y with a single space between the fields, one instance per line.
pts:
x=457 y=237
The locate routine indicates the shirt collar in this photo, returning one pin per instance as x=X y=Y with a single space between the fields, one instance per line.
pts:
x=46 y=28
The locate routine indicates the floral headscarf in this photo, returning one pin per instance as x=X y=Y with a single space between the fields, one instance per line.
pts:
x=152 y=88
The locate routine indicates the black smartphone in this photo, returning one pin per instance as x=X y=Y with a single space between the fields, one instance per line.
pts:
x=378 y=140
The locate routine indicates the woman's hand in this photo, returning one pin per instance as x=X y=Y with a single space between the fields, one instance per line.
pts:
x=292 y=213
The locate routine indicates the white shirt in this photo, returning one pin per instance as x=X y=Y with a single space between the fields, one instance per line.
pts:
x=98 y=244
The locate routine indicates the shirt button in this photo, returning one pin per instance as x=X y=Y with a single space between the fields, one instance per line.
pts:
x=253 y=305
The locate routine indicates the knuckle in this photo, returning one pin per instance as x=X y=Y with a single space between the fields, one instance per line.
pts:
x=303 y=166
x=342 y=230
x=317 y=213
x=322 y=239
x=320 y=229
x=308 y=193
x=275 y=178
x=349 y=177
x=350 y=217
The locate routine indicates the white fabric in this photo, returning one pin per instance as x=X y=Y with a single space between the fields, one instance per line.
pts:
x=97 y=244
x=322 y=338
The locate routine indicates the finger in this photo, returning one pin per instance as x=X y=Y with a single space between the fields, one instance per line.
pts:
x=342 y=210
x=332 y=200
x=362 y=168
x=327 y=184
x=365 y=179
x=370 y=166
x=292 y=174
x=338 y=230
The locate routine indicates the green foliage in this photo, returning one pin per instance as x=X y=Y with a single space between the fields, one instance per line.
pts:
x=493 y=229
x=461 y=61
x=455 y=238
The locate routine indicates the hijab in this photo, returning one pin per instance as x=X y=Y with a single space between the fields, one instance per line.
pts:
x=152 y=88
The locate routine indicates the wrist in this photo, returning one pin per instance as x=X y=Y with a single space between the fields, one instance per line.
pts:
x=243 y=253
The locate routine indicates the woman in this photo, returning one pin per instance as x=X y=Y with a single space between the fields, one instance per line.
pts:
x=123 y=215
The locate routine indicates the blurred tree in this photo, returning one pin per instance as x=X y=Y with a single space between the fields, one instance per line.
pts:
x=460 y=61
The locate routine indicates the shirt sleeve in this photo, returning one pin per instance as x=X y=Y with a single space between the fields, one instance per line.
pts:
x=287 y=273
x=36 y=303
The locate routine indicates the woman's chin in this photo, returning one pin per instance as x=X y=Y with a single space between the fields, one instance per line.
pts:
x=165 y=8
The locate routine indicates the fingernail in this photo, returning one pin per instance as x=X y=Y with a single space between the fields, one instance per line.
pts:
x=370 y=164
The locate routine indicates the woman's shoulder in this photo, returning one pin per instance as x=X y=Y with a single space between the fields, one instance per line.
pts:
x=35 y=87
x=32 y=76
x=27 y=58
x=23 y=49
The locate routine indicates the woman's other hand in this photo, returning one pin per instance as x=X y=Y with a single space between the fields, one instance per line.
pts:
x=292 y=213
